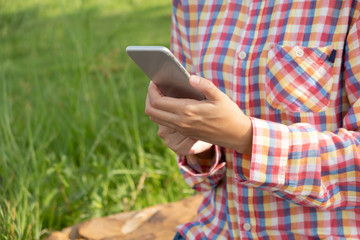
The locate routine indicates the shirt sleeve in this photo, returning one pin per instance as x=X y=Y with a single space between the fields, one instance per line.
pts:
x=300 y=164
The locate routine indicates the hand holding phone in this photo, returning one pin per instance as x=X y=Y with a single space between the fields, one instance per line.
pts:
x=162 y=67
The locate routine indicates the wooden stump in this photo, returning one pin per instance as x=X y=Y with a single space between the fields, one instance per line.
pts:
x=157 y=222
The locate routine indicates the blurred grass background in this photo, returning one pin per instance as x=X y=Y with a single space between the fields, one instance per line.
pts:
x=74 y=140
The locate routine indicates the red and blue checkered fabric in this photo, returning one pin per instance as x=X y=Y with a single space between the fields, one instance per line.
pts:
x=294 y=68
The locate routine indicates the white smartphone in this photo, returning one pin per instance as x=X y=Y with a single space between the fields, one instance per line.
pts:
x=162 y=67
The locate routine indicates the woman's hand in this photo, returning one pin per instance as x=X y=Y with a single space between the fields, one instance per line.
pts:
x=216 y=120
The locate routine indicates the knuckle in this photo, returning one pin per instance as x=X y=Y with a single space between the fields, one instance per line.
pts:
x=188 y=110
x=182 y=126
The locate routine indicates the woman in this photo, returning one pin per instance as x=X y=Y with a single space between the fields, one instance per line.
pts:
x=275 y=146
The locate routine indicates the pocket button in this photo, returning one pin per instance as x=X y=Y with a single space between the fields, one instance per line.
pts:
x=299 y=52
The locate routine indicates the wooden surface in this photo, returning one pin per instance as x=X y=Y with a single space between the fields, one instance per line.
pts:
x=157 y=222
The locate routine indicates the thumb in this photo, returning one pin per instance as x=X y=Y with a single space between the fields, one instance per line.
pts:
x=206 y=87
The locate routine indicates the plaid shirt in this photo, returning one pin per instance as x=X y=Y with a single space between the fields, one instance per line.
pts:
x=294 y=68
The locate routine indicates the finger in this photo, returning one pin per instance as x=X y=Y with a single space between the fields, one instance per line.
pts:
x=175 y=141
x=161 y=118
x=153 y=86
x=183 y=146
x=154 y=90
x=164 y=131
x=200 y=146
x=206 y=87
x=158 y=120
x=180 y=144
x=155 y=114
x=168 y=104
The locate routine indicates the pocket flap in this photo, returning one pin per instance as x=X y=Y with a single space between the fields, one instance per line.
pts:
x=299 y=79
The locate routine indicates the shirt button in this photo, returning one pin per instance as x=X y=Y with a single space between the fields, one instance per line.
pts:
x=299 y=52
x=247 y=226
x=242 y=55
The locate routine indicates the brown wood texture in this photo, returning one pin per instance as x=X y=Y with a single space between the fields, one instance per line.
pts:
x=156 y=222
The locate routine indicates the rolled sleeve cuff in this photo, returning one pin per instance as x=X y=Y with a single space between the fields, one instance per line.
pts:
x=202 y=174
x=266 y=166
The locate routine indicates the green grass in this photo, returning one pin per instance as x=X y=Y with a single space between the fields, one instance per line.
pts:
x=74 y=140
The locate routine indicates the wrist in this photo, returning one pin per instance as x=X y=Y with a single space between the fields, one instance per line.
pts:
x=244 y=144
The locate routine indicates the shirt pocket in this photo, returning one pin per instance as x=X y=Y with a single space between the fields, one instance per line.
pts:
x=299 y=79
